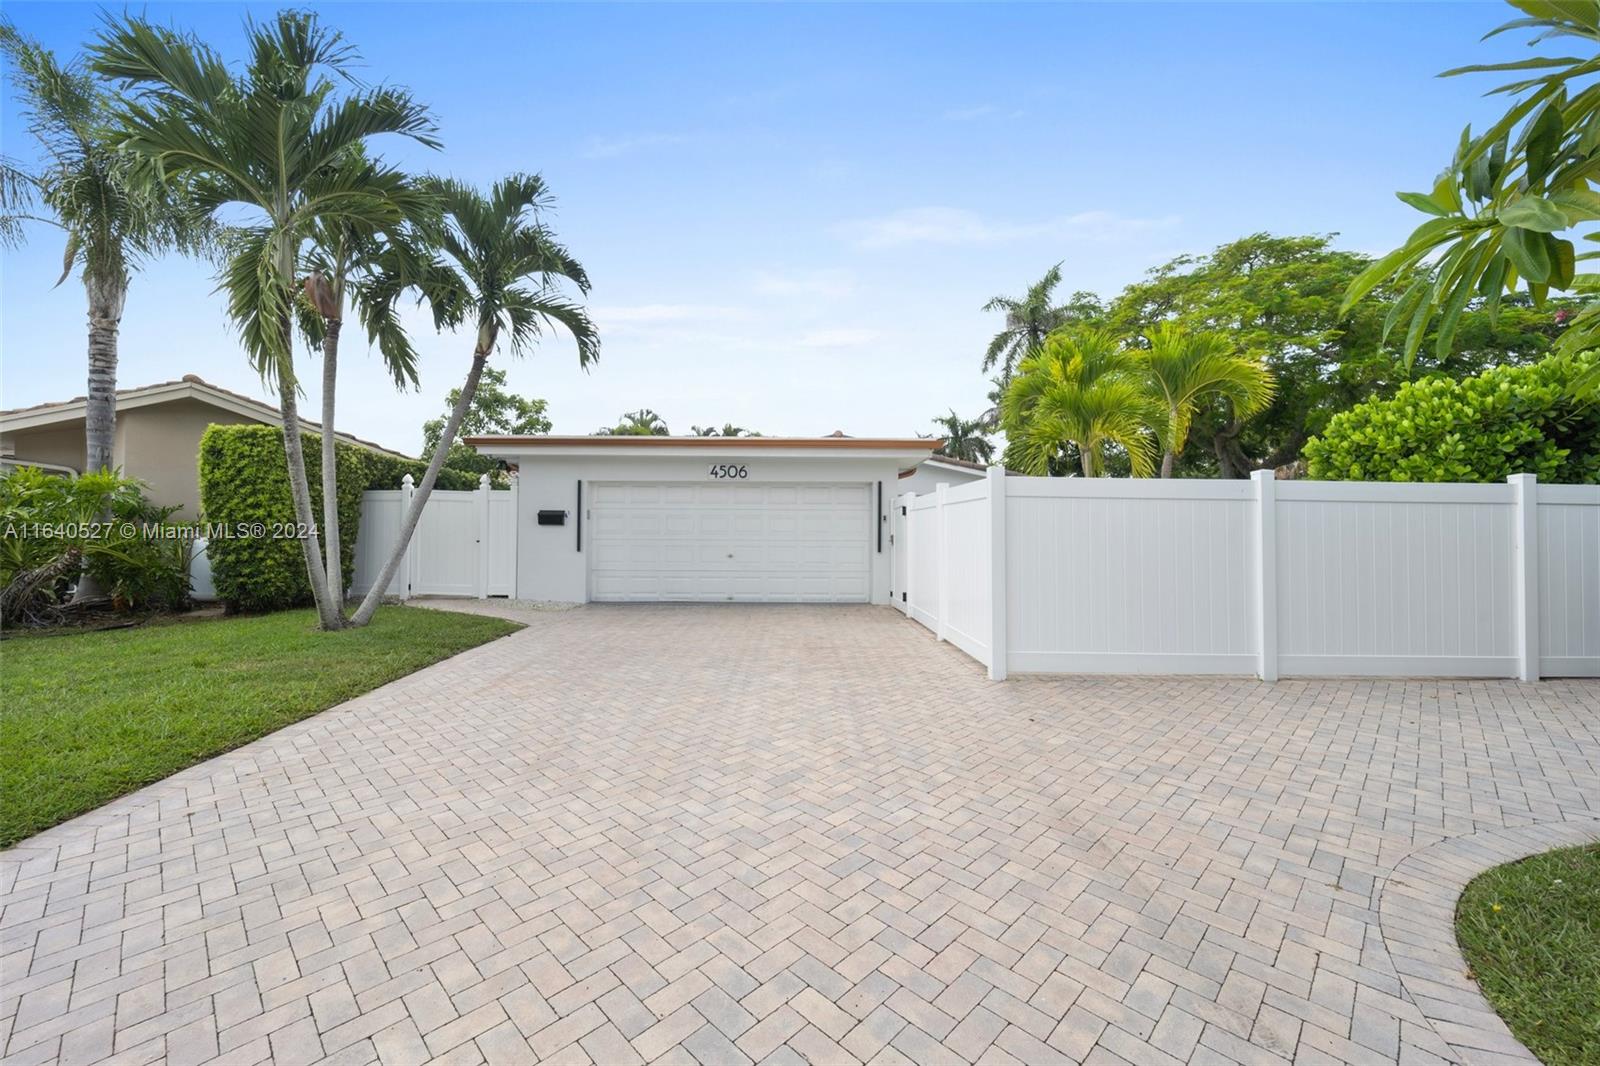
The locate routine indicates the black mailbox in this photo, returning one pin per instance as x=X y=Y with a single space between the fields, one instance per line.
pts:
x=552 y=518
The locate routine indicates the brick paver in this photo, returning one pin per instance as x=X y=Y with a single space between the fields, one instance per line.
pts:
x=735 y=834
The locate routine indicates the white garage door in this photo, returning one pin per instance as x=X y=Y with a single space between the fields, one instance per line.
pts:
x=760 y=543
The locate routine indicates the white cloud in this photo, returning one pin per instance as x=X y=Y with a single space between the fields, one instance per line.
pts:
x=652 y=313
x=838 y=338
x=958 y=226
x=817 y=283
x=611 y=147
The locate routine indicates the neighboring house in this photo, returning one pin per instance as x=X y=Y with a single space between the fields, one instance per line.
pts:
x=940 y=469
x=157 y=438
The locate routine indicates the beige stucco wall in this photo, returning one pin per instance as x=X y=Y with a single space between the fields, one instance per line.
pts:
x=160 y=445
x=61 y=444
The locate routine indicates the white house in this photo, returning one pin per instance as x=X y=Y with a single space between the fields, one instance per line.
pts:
x=939 y=470
x=710 y=519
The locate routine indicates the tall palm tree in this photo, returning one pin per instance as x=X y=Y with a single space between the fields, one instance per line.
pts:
x=113 y=216
x=1082 y=388
x=501 y=273
x=964 y=438
x=1186 y=369
x=279 y=145
x=1033 y=318
x=641 y=423
x=354 y=266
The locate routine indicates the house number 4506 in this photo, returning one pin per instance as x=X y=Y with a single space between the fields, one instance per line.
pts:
x=729 y=470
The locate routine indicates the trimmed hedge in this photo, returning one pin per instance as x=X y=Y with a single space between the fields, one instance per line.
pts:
x=1509 y=420
x=244 y=480
x=386 y=472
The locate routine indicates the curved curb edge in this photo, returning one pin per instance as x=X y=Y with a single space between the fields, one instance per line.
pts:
x=1416 y=914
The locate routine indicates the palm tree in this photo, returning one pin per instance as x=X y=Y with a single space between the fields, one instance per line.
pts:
x=1082 y=388
x=1033 y=318
x=354 y=265
x=501 y=273
x=728 y=430
x=278 y=145
x=113 y=217
x=641 y=423
x=964 y=438
x=1186 y=369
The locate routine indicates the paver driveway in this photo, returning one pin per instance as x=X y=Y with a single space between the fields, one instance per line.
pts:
x=725 y=833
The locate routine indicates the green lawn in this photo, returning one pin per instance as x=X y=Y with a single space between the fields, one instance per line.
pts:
x=1531 y=933
x=87 y=717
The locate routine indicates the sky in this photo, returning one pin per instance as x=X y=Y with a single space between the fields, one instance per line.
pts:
x=792 y=214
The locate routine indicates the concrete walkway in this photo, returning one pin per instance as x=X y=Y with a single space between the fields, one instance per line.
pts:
x=800 y=833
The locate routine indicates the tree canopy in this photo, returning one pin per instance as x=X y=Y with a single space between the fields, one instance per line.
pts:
x=494 y=409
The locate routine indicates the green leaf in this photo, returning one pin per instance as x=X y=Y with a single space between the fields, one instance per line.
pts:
x=1535 y=213
x=1563 y=262
x=1422 y=202
x=1369 y=278
x=1527 y=252
x=1543 y=139
x=1578 y=204
x=1539 y=63
x=1458 y=301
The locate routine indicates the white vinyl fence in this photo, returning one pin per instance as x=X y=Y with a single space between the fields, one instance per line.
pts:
x=465 y=543
x=1059 y=575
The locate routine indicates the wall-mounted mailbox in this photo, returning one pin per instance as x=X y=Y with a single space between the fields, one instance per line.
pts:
x=552 y=518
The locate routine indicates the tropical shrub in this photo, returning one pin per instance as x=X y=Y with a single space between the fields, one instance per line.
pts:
x=257 y=564
x=52 y=529
x=1509 y=420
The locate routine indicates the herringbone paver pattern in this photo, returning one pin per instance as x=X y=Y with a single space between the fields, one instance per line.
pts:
x=792 y=834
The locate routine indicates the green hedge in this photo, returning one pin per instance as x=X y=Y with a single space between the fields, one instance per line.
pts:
x=387 y=471
x=1509 y=420
x=244 y=479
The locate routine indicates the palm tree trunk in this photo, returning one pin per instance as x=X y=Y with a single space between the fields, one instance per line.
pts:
x=328 y=612
x=1169 y=456
x=106 y=299
x=369 y=604
x=1086 y=459
x=330 y=463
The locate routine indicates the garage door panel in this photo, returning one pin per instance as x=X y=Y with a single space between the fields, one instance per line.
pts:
x=749 y=542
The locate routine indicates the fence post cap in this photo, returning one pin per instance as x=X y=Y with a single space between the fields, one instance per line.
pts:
x=483 y=480
x=407 y=481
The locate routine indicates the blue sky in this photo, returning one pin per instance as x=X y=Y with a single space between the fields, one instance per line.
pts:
x=792 y=214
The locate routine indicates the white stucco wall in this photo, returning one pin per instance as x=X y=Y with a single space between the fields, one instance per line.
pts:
x=929 y=477
x=550 y=565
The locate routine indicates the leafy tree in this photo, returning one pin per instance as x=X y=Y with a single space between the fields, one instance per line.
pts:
x=502 y=273
x=1031 y=319
x=641 y=423
x=1085 y=389
x=494 y=410
x=276 y=144
x=115 y=216
x=1187 y=369
x=1497 y=211
x=1277 y=300
x=728 y=429
x=1508 y=420
x=964 y=438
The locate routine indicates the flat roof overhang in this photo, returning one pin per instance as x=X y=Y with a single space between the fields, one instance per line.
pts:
x=902 y=449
